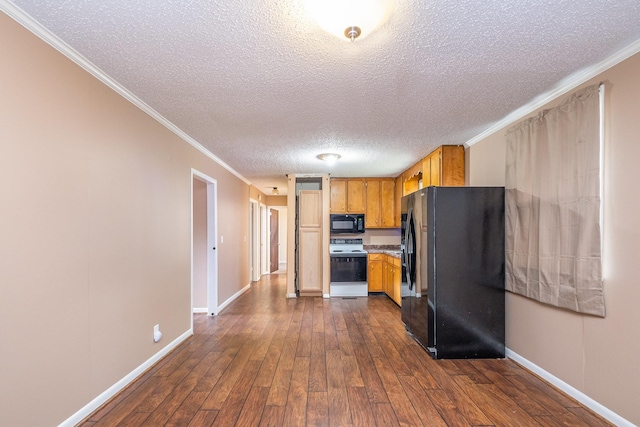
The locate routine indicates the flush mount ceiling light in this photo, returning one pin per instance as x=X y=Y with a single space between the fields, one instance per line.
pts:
x=350 y=19
x=275 y=191
x=329 y=157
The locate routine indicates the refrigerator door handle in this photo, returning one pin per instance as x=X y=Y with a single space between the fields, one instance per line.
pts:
x=410 y=250
x=407 y=248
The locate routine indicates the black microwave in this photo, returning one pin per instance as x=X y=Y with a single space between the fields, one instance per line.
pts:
x=346 y=224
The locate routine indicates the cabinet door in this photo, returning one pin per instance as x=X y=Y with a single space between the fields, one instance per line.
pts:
x=435 y=167
x=387 y=204
x=398 y=201
x=397 y=285
x=310 y=263
x=389 y=277
x=411 y=178
x=452 y=165
x=372 y=212
x=310 y=242
x=355 y=196
x=338 y=196
x=426 y=172
x=374 y=277
x=385 y=271
x=310 y=208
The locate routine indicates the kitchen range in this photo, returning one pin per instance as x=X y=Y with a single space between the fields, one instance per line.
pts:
x=348 y=261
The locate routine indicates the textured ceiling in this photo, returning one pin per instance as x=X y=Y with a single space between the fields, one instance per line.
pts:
x=265 y=90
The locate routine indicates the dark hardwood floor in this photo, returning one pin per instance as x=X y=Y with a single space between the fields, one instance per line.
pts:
x=271 y=361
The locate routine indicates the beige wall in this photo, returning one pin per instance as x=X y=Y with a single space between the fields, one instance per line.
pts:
x=599 y=357
x=95 y=244
x=257 y=195
x=277 y=201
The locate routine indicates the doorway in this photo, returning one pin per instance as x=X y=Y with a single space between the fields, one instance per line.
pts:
x=254 y=241
x=204 y=236
x=274 y=244
x=278 y=239
x=264 y=259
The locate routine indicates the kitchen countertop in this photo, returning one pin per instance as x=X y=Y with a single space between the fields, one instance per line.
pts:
x=391 y=250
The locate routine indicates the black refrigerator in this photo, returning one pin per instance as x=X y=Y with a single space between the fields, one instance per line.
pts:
x=453 y=262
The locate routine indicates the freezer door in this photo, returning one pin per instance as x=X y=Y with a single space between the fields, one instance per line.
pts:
x=466 y=289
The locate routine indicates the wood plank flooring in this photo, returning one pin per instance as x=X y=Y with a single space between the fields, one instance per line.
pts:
x=271 y=361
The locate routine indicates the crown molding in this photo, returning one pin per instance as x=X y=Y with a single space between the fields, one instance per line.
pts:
x=564 y=86
x=54 y=41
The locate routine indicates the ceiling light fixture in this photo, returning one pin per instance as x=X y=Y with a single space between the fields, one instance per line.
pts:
x=275 y=191
x=329 y=157
x=350 y=18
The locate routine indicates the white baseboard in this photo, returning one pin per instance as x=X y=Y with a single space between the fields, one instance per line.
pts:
x=197 y=310
x=232 y=298
x=114 y=389
x=596 y=407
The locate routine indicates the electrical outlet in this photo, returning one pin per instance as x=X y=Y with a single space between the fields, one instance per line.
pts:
x=221 y=239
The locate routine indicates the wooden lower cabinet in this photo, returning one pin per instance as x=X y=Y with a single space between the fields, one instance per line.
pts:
x=394 y=271
x=384 y=275
x=374 y=274
x=396 y=278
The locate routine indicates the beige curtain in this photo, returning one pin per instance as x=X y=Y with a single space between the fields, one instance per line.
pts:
x=553 y=206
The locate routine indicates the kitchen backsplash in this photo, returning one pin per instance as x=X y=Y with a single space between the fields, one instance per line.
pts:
x=389 y=236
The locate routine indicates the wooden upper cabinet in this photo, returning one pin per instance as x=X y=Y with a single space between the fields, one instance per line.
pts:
x=381 y=200
x=356 y=196
x=347 y=195
x=451 y=165
x=388 y=217
x=398 y=201
x=442 y=167
x=435 y=173
x=377 y=198
x=372 y=217
x=338 y=195
x=426 y=168
x=411 y=178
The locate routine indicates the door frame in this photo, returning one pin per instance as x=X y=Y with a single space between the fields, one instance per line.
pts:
x=271 y=235
x=212 y=239
x=264 y=247
x=254 y=241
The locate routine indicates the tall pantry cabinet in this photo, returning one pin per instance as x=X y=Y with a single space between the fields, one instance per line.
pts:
x=310 y=242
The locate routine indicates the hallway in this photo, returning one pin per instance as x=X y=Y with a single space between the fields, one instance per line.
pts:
x=271 y=361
